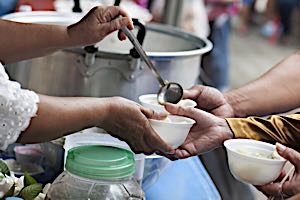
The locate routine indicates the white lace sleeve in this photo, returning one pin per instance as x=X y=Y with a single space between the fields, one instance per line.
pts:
x=17 y=107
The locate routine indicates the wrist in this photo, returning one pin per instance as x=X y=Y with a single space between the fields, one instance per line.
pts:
x=236 y=102
x=99 y=111
x=59 y=37
x=225 y=130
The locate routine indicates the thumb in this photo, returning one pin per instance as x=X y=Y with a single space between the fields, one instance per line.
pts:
x=179 y=110
x=289 y=154
x=193 y=92
x=117 y=24
x=149 y=113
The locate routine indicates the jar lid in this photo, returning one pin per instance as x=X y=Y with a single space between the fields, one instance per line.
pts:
x=99 y=162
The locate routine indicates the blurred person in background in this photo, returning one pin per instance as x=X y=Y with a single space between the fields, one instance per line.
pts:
x=285 y=10
x=245 y=15
x=278 y=20
x=215 y=64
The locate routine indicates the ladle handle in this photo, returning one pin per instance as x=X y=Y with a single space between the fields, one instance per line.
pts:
x=140 y=50
x=117 y=2
x=143 y=54
x=77 y=7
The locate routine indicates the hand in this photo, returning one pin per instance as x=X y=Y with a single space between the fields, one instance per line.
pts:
x=210 y=100
x=98 y=23
x=128 y=121
x=208 y=133
x=290 y=187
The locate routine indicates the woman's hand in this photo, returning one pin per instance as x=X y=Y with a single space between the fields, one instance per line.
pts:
x=42 y=39
x=128 y=121
x=292 y=186
x=124 y=119
x=97 y=24
x=208 y=133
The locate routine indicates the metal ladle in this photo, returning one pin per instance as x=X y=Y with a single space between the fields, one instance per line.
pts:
x=169 y=91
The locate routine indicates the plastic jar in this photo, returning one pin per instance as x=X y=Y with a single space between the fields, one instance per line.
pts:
x=97 y=172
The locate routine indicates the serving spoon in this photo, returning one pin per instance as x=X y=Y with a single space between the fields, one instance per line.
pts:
x=169 y=91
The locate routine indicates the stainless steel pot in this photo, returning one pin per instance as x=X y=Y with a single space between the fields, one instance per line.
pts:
x=111 y=70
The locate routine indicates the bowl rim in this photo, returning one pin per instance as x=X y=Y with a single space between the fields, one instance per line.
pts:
x=189 y=121
x=143 y=97
x=249 y=141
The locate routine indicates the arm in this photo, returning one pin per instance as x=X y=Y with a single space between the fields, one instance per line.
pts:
x=22 y=41
x=126 y=120
x=283 y=129
x=211 y=131
x=274 y=92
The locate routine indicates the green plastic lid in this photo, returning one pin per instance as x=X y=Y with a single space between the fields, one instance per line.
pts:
x=100 y=162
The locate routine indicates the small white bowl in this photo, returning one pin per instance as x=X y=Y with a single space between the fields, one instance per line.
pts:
x=150 y=101
x=247 y=161
x=174 y=130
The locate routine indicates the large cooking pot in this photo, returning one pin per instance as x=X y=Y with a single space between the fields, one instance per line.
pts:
x=109 y=69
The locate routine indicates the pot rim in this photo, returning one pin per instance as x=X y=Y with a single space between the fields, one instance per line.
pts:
x=203 y=45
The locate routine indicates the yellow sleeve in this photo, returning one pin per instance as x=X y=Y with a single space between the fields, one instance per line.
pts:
x=283 y=129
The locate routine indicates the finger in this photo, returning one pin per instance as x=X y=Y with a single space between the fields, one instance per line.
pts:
x=289 y=154
x=290 y=188
x=271 y=189
x=177 y=110
x=172 y=157
x=151 y=114
x=193 y=113
x=193 y=92
x=280 y=177
x=111 y=12
x=154 y=141
x=158 y=144
x=296 y=197
x=182 y=153
x=116 y=24
x=121 y=35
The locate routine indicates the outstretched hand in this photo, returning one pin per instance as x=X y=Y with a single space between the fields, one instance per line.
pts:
x=208 y=133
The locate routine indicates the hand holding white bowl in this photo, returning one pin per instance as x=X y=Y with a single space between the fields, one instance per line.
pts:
x=251 y=161
x=173 y=130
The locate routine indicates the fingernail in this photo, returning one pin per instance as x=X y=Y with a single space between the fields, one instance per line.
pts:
x=171 y=152
x=280 y=147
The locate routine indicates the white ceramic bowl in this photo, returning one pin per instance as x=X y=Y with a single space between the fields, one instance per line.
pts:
x=247 y=167
x=174 y=130
x=150 y=101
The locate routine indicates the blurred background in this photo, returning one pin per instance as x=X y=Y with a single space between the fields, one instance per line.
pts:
x=248 y=36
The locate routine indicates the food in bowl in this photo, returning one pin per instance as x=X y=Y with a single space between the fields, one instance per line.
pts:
x=269 y=155
x=150 y=101
x=252 y=161
x=173 y=130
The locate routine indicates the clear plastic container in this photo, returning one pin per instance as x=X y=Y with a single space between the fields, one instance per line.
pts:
x=93 y=136
x=97 y=172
